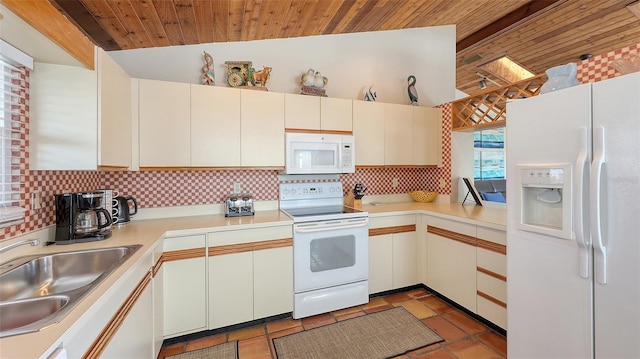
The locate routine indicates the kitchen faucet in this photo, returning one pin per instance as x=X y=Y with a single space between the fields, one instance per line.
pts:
x=34 y=242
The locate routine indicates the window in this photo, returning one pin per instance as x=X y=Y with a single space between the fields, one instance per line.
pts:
x=13 y=105
x=488 y=154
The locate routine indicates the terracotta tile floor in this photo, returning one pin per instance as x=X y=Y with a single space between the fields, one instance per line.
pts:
x=464 y=337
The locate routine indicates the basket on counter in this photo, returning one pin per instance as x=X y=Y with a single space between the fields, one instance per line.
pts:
x=423 y=196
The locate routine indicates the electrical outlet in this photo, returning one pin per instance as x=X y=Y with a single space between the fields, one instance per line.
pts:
x=394 y=182
x=442 y=183
x=36 y=200
x=237 y=187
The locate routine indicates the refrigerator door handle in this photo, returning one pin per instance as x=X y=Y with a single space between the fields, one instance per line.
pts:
x=600 y=250
x=580 y=197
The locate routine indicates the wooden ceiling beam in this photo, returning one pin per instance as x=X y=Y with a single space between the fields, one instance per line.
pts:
x=46 y=19
x=504 y=22
x=84 y=20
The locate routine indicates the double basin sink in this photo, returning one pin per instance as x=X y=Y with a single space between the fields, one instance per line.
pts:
x=39 y=290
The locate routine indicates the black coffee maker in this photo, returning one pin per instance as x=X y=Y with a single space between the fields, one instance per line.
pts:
x=81 y=218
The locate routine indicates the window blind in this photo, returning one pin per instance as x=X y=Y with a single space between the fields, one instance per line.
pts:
x=13 y=103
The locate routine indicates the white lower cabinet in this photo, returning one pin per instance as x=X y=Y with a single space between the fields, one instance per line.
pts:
x=392 y=253
x=231 y=289
x=380 y=263
x=134 y=339
x=250 y=274
x=492 y=276
x=452 y=269
x=158 y=299
x=272 y=281
x=184 y=285
x=467 y=264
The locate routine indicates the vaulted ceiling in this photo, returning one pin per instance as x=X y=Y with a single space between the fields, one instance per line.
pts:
x=535 y=34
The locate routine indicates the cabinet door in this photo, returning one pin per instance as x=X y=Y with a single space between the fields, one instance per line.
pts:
x=215 y=126
x=380 y=263
x=184 y=288
x=164 y=115
x=336 y=114
x=427 y=136
x=114 y=113
x=262 y=128
x=398 y=135
x=63 y=123
x=231 y=283
x=404 y=259
x=301 y=112
x=158 y=311
x=134 y=339
x=452 y=269
x=368 y=130
x=272 y=282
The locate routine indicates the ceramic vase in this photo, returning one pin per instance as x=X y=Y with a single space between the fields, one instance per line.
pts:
x=560 y=77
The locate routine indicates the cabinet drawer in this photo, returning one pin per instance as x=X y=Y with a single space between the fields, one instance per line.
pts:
x=492 y=261
x=187 y=242
x=454 y=226
x=492 y=235
x=492 y=287
x=391 y=221
x=493 y=312
x=248 y=235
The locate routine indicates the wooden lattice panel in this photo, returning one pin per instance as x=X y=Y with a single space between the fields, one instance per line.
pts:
x=488 y=109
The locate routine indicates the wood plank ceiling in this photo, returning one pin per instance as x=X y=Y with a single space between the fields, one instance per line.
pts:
x=535 y=34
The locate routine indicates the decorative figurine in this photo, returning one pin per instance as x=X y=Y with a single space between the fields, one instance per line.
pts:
x=320 y=81
x=411 y=89
x=261 y=77
x=313 y=83
x=238 y=73
x=370 y=95
x=308 y=79
x=208 y=77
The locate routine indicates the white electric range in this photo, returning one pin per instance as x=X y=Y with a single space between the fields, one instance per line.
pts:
x=330 y=248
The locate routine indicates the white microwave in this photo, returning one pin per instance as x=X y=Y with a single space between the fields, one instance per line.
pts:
x=309 y=153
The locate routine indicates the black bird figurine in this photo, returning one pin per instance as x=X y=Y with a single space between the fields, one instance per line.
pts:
x=411 y=89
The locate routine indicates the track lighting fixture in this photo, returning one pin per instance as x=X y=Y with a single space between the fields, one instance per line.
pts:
x=483 y=84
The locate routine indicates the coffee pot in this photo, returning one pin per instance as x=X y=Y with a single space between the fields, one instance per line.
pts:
x=122 y=211
x=80 y=217
x=91 y=220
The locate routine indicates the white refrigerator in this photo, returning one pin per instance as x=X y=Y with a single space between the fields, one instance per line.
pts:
x=573 y=222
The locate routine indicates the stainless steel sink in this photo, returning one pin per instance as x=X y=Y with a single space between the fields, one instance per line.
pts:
x=37 y=291
x=30 y=313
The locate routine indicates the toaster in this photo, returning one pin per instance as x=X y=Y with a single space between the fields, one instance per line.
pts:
x=239 y=204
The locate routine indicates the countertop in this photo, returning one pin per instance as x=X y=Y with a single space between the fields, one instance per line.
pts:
x=149 y=232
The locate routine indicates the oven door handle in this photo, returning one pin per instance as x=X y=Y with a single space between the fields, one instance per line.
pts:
x=324 y=228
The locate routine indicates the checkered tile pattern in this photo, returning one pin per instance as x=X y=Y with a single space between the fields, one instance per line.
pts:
x=179 y=188
x=597 y=68
x=176 y=188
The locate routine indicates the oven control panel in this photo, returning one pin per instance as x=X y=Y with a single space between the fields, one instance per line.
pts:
x=310 y=190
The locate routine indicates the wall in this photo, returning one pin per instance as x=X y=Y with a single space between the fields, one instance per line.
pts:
x=351 y=62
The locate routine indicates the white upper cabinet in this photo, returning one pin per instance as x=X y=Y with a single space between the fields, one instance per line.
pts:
x=398 y=135
x=301 y=112
x=114 y=113
x=304 y=112
x=368 y=130
x=336 y=114
x=427 y=136
x=164 y=122
x=63 y=123
x=262 y=128
x=215 y=126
